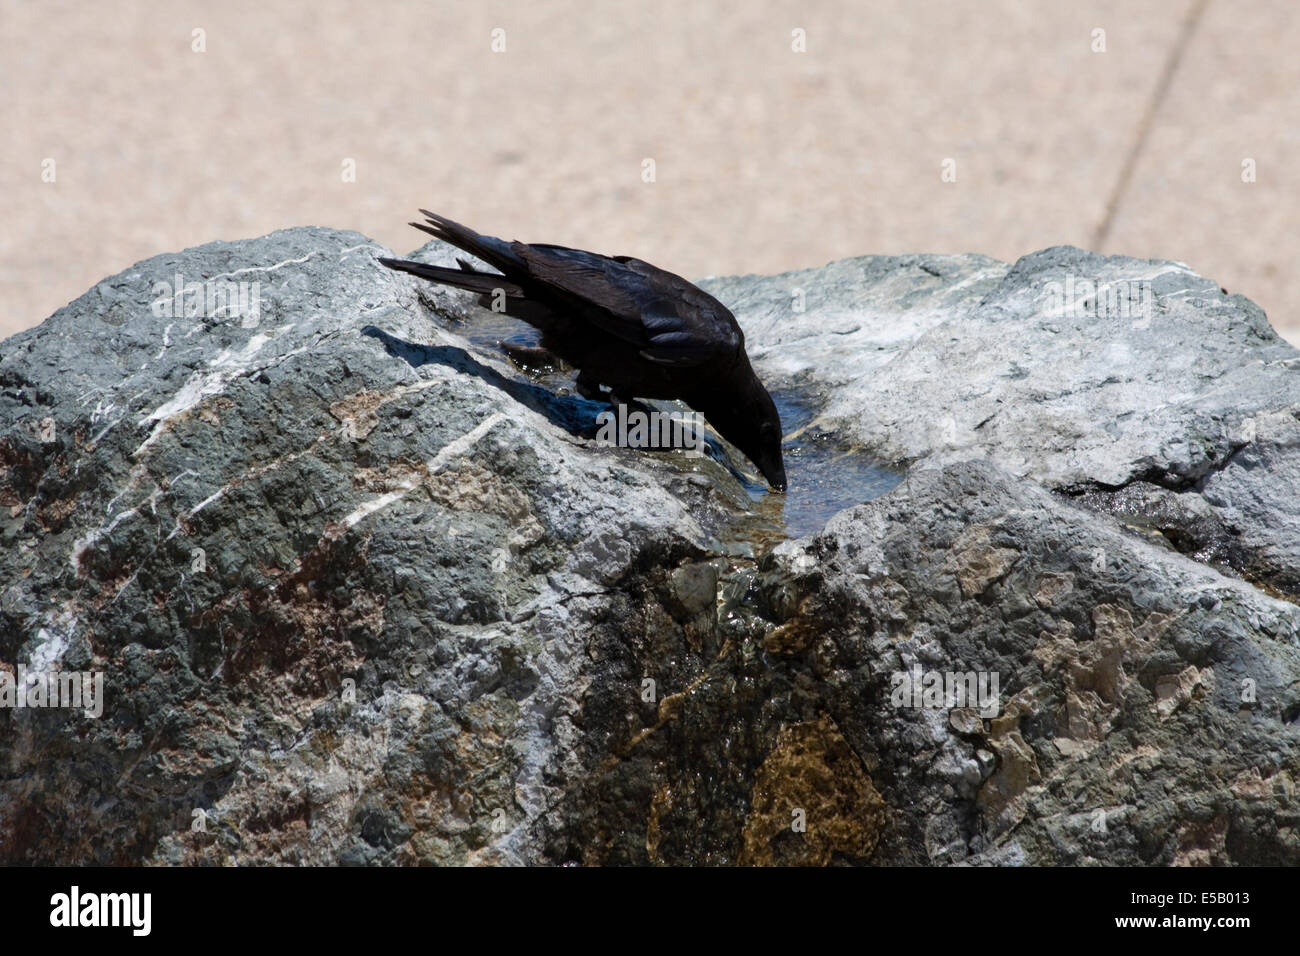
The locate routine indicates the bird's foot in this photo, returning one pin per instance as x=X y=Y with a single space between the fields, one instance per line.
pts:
x=590 y=389
x=615 y=400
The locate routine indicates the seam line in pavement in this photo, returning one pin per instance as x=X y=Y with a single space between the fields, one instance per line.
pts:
x=1161 y=91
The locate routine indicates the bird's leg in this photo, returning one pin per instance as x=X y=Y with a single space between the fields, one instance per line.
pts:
x=588 y=387
x=531 y=359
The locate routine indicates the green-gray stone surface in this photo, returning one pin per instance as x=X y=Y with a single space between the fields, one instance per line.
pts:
x=363 y=593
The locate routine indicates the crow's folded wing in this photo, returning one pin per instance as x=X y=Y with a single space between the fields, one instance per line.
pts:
x=671 y=321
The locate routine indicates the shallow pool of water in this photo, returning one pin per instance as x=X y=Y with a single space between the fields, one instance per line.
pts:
x=824 y=475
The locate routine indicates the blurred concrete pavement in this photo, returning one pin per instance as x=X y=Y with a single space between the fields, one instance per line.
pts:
x=765 y=158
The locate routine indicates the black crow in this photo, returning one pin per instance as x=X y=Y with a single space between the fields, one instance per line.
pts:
x=625 y=324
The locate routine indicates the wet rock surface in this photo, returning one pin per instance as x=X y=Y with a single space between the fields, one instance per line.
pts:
x=362 y=592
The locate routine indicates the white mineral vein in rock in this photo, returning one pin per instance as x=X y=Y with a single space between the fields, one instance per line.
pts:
x=435 y=464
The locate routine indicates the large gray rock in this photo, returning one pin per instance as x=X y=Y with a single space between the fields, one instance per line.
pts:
x=361 y=592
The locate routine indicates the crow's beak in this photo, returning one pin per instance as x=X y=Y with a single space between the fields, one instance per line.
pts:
x=773 y=471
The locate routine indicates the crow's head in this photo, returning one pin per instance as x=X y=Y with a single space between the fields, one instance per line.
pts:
x=747 y=417
x=766 y=453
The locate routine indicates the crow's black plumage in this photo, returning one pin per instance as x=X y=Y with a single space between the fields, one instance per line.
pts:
x=623 y=323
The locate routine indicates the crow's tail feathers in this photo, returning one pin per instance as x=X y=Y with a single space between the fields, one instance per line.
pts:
x=495 y=252
x=485 y=283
